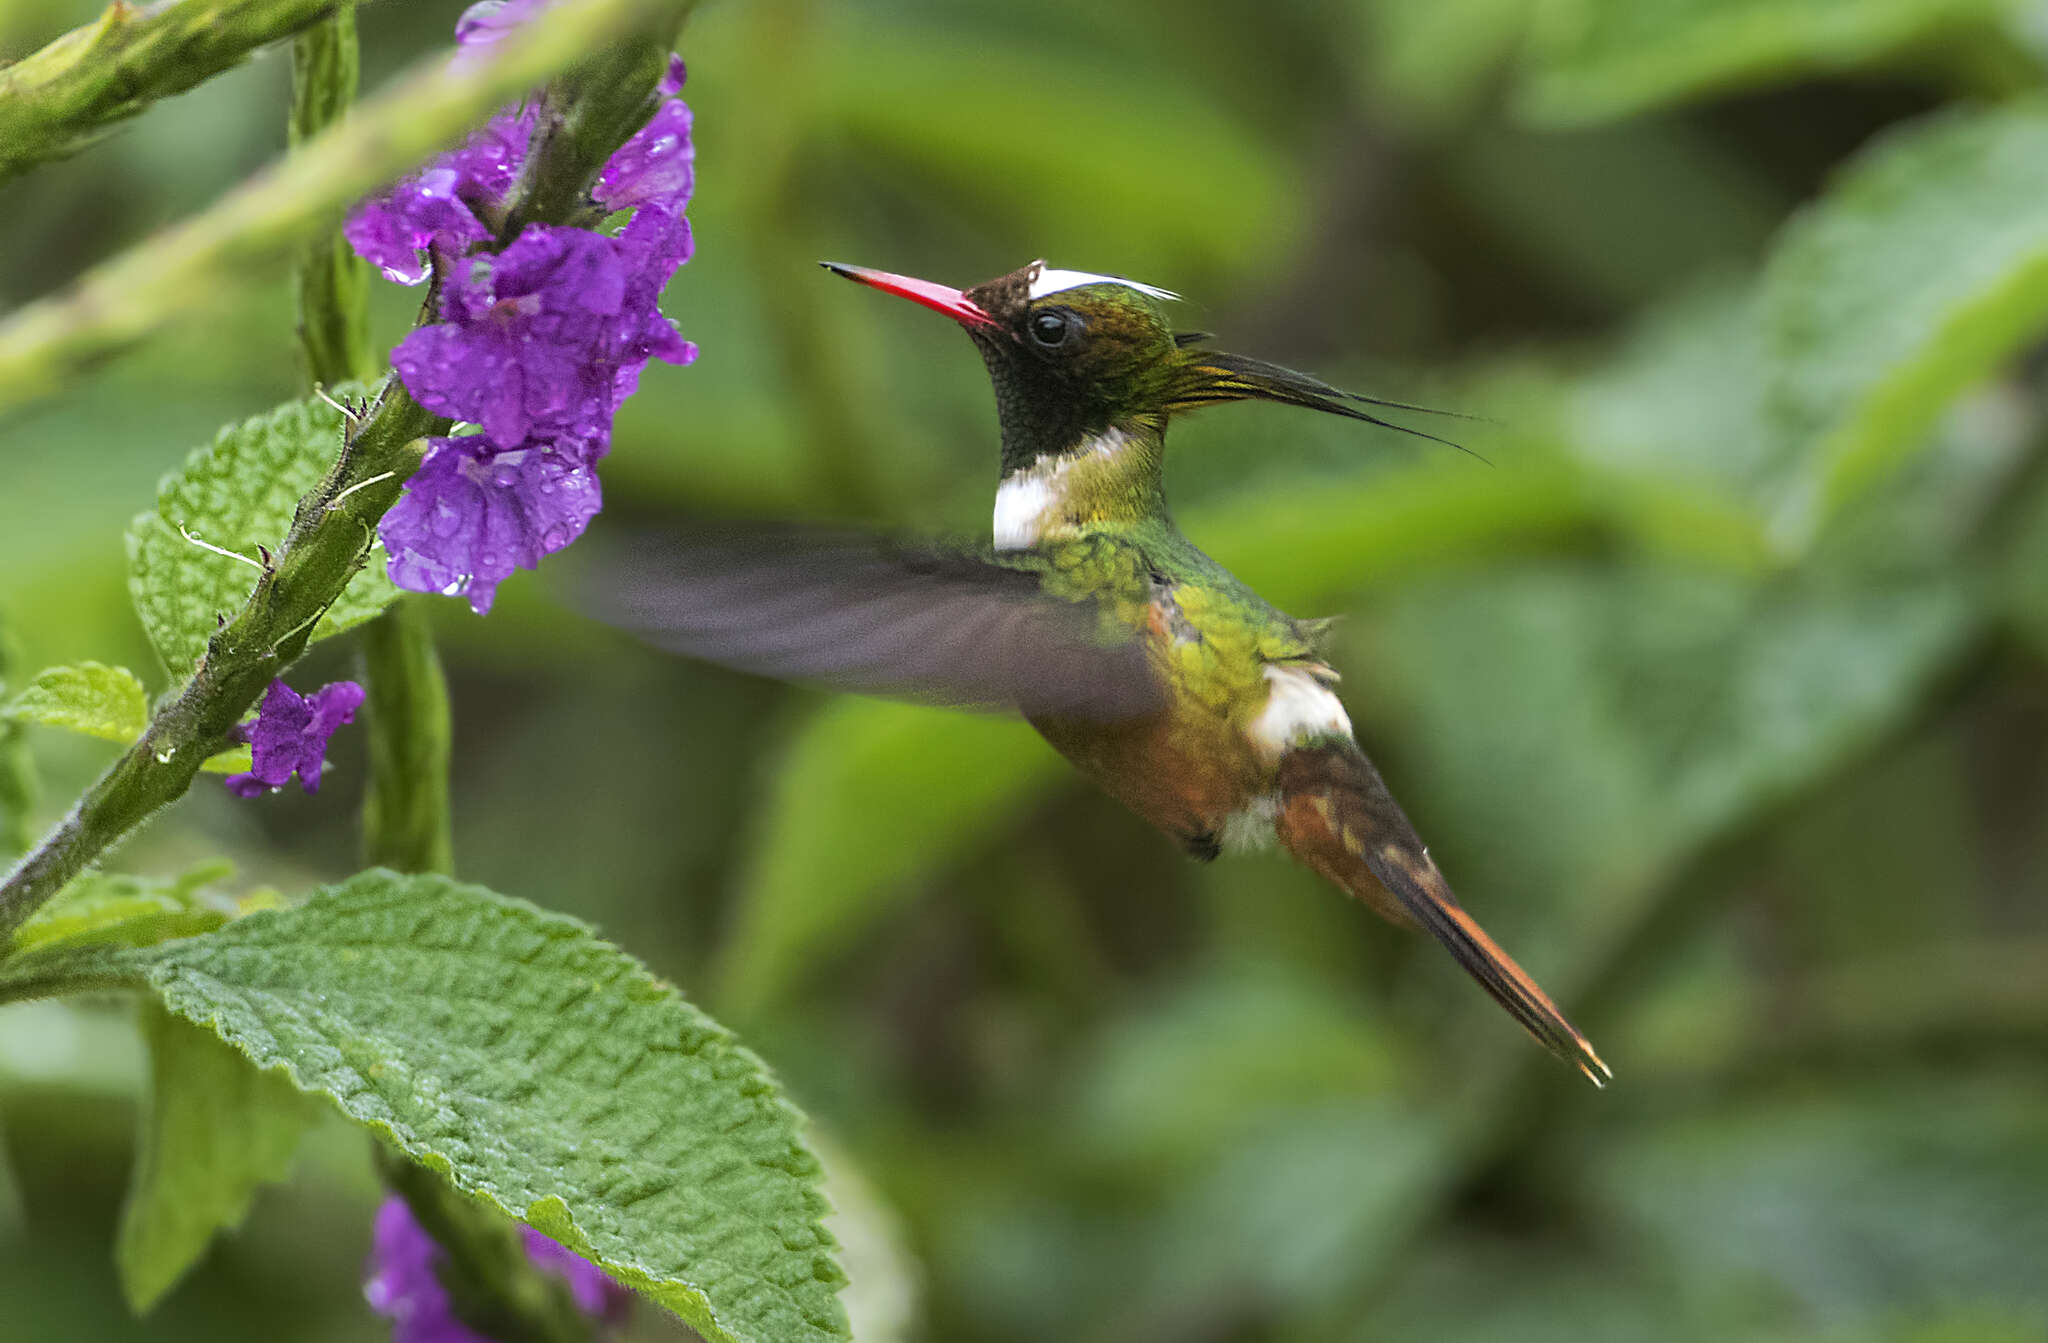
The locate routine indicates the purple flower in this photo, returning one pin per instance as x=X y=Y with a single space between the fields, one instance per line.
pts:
x=474 y=512
x=400 y=1282
x=530 y=336
x=658 y=166
x=290 y=735
x=484 y=23
x=537 y=344
x=653 y=245
x=440 y=210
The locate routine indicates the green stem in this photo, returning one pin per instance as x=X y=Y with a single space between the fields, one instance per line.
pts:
x=493 y=1286
x=333 y=282
x=62 y=98
x=61 y=973
x=183 y=269
x=406 y=821
x=328 y=543
x=335 y=524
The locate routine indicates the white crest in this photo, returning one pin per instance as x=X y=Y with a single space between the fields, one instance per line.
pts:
x=1049 y=281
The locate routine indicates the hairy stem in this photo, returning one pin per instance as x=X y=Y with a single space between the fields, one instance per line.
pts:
x=333 y=282
x=262 y=223
x=335 y=524
x=328 y=542
x=58 y=100
x=406 y=821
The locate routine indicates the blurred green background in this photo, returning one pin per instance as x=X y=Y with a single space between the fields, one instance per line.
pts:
x=1721 y=694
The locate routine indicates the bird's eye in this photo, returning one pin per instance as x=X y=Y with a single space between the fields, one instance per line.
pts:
x=1049 y=327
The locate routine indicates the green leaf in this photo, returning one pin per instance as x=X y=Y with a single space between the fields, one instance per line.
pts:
x=540 y=1070
x=1683 y=398
x=18 y=790
x=1597 y=60
x=216 y=1130
x=237 y=493
x=1190 y=1076
x=18 y=787
x=100 y=701
x=1578 y=731
x=1923 y=267
x=869 y=795
x=1299 y=1209
x=1804 y=1193
x=114 y=909
x=92 y=698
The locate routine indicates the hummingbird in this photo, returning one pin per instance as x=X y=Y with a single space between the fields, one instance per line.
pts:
x=1147 y=664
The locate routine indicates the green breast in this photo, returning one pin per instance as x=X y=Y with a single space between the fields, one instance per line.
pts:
x=1212 y=636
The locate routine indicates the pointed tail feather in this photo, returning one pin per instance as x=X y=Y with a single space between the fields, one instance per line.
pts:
x=1338 y=817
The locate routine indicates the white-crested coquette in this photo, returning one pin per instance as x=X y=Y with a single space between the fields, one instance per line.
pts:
x=1148 y=665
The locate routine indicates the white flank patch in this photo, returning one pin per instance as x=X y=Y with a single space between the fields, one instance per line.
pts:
x=1251 y=829
x=1049 y=281
x=1029 y=499
x=1298 y=706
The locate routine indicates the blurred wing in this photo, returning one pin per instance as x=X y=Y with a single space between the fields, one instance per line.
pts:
x=860 y=611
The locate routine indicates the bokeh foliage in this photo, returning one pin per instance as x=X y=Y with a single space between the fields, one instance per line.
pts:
x=1721 y=692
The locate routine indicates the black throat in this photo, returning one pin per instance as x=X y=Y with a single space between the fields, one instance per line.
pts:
x=1042 y=413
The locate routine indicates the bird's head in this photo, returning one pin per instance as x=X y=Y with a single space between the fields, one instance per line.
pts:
x=1074 y=355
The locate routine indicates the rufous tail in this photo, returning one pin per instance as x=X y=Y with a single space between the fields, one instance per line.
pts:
x=1338 y=817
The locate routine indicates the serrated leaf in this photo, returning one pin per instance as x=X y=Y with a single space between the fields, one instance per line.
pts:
x=215 y=1131
x=542 y=1071
x=116 y=909
x=92 y=698
x=1597 y=60
x=237 y=493
x=1924 y=266
x=99 y=701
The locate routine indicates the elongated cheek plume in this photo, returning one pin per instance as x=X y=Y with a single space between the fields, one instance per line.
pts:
x=1210 y=377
